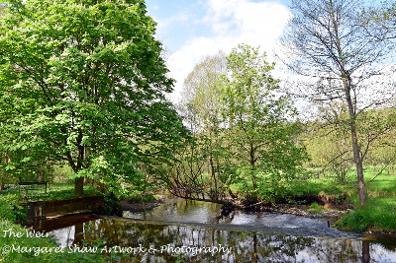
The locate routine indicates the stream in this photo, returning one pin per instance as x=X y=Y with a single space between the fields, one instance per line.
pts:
x=177 y=228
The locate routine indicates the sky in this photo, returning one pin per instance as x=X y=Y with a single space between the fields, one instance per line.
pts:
x=192 y=29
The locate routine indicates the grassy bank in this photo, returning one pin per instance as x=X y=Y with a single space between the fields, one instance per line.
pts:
x=379 y=214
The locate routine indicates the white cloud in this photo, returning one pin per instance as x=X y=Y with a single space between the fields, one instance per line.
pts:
x=232 y=22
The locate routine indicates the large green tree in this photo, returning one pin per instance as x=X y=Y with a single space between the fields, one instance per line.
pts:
x=85 y=84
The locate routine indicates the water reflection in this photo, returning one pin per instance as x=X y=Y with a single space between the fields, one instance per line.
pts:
x=180 y=211
x=246 y=246
x=254 y=237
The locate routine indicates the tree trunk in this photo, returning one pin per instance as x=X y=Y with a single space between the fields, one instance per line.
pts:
x=79 y=186
x=357 y=157
x=213 y=172
x=359 y=166
x=255 y=257
x=79 y=182
x=253 y=166
x=78 y=234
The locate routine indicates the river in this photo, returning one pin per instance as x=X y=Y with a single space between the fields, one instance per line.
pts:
x=192 y=232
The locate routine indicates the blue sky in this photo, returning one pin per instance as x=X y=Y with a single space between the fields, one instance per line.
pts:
x=193 y=29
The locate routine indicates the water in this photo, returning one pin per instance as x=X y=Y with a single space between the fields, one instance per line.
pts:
x=206 y=214
x=251 y=237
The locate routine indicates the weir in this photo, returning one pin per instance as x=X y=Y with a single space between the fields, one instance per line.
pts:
x=49 y=209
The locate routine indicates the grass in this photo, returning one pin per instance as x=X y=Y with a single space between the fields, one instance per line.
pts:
x=315 y=208
x=379 y=214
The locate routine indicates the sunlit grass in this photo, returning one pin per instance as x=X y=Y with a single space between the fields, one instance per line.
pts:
x=378 y=214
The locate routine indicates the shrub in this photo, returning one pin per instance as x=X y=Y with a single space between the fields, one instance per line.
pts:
x=11 y=209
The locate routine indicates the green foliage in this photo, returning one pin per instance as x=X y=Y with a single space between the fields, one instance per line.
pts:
x=289 y=191
x=315 y=208
x=112 y=205
x=10 y=208
x=141 y=198
x=243 y=132
x=201 y=109
x=62 y=173
x=260 y=131
x=84 y=82
x=328 y=146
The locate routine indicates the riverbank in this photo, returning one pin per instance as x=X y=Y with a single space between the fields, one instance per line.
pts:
x=337 y=213
x=313 y=211
x=378 y=215
x=145 y=203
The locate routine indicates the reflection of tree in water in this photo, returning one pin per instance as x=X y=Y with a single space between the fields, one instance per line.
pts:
x=273 y=248
x=122 y=233
x=365 y=251
x=246 y=246
x=335 y=250
x=78 y=234
x=347 y=250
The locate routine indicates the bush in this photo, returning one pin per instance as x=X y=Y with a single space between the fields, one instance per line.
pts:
x=11 y=209
x=315 y=208
x=294 y=190
x=112 y=205
x=141 y=198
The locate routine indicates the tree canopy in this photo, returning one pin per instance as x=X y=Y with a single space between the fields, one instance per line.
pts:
x=83 y=82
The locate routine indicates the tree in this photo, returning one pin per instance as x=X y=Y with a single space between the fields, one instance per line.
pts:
x=384 y=18
x=333 y=46
x=202 y=110
x=259 y=119
x=85 y=82
x=199 y=173
x=237 y=120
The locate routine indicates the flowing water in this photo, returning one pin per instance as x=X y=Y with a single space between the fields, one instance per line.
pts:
x=181 y=231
